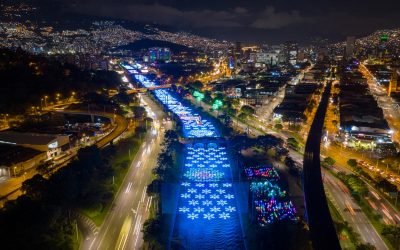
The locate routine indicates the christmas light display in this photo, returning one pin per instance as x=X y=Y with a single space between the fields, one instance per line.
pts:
x=205 y=193
x=207 y=214
x=194 y=126
x=270 y=211
x=265 y=172
x=266 y=189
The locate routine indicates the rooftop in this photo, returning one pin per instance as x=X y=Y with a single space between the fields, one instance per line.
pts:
x=12 y=137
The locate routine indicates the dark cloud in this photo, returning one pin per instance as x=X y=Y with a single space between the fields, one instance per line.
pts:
x=272 y=19
x=254 y=20
x=268 y=18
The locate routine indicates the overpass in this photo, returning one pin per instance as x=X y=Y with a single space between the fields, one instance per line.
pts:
x=142 y=90
x=120 y=121
x=322 y=231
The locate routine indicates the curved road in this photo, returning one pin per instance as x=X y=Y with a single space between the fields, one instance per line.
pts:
x=122 y=124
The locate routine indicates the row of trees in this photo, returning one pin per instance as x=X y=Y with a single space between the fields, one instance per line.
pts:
x=167 y=170
x=41 y=217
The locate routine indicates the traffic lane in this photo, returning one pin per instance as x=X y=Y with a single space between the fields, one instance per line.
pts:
x=351 y=212
x=114 y=220
x=122 y=204
x=142 y=206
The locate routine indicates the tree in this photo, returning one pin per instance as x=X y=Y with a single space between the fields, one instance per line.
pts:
x=242 y=116
x=197 y=85
x=328 y=162
x=151 y=232
x=278 y=126
x=292 y=142
x=122 y=97
x=352 y=163
x=386 y=185
x=366 y=246
x=34 y=187
x=247 y=110
x=139 y=112
x=392 y=233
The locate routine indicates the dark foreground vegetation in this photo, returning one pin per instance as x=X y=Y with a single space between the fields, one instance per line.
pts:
x=43 y=218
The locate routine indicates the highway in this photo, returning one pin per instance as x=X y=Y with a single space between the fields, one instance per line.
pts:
x=351 y=212
x=122 y=226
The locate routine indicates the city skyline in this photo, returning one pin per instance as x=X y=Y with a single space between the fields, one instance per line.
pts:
x=174 y=124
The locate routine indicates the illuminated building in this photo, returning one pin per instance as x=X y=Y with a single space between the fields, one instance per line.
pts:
x=157 y=53
x=53 y=145
x=290 y=51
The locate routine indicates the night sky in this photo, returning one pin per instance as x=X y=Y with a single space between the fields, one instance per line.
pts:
x=255 y=20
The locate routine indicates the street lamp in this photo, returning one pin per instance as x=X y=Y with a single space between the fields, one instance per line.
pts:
x=45 y=100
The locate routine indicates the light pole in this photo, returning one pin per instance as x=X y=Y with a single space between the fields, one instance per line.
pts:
x=45 y=100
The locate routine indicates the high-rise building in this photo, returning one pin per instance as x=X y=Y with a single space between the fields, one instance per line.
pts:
x=157 y=53
x=290 y=51
x=350 y=44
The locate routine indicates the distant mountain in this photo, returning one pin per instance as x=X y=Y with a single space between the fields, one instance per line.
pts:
x=389 y=38
x=49 y=28
x=147 y=43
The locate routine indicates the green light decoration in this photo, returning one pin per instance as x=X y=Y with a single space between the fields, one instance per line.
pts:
x=198 y=95
x=217 y=104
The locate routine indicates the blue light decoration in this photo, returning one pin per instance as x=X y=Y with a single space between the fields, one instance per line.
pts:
x=194 y=126
x=205 y=194
x=207 y=214
x=207 y=205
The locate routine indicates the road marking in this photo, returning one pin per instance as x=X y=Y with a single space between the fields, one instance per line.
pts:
x=128 y=188
x=138 y=164
x=143 y=194
x=119 y=245
x=123 y=245
x=91 y=244
x=149 y=203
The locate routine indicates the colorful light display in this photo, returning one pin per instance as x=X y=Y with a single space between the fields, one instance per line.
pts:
x=266 y=189
x=270 y=202
x=193 y=125
x=270 y=211
x=264 y=172
x=217 y=104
